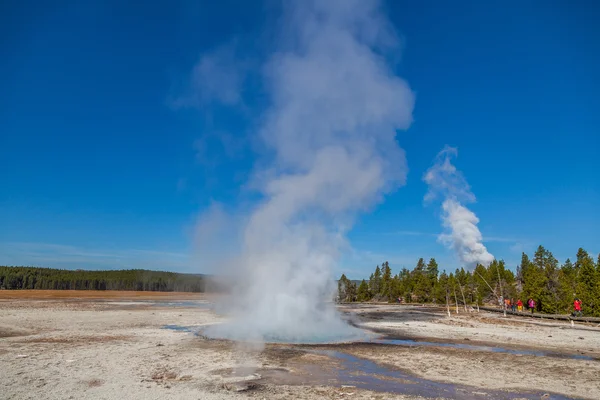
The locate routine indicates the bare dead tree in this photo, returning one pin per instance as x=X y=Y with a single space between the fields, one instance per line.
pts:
x=492 y=289
x=455 y=298
x=501 y=290
x=463 y=296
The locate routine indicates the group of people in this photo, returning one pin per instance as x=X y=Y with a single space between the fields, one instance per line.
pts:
x=510 y=304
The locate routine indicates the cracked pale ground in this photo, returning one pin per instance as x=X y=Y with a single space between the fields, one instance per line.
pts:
x=90 y=348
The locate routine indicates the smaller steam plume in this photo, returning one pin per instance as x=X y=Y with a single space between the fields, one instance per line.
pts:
x=462 y=234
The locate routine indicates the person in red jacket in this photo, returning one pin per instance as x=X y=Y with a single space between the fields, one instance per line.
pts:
x=577 y=307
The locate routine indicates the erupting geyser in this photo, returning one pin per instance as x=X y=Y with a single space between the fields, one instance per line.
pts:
x=335 y=108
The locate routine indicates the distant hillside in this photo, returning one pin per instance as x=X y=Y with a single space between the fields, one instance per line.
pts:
x=131 y=279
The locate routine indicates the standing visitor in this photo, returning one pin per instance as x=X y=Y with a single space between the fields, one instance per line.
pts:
x=513 y=305
x=531 y=304
x=520 y=305
x=577 y=307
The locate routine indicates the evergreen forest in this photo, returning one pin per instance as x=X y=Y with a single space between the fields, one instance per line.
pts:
x=132 y=279
x=553 y=286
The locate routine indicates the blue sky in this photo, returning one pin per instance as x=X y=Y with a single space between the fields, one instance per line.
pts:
x=101 y=167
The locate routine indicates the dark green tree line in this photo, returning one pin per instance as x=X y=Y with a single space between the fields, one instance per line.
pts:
x=133 y=279
x=551 y=285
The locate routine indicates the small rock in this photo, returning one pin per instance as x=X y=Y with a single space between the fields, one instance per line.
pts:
x=580 y=338
x=159 y=344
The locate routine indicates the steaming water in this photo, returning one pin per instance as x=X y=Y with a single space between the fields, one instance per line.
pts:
x=298 y=336
x=359 y=336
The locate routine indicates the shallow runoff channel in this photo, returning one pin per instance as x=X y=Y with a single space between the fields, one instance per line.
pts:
x=365 y=374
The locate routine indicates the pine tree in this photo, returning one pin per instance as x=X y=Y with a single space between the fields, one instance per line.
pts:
x=342 y=287
x=441 y=288
x=587 y=284
x=421 y=281
x=386 y=282
x=375 y=283
x=534 y=279
x=481 y=280
x=550 y=296
x=362 y=293
x=432 y=277
x=397 y=287
x=567 y=281
x=406 y=285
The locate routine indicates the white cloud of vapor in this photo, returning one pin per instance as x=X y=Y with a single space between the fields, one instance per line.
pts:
x=331 y=128
x=462 y=235
x=217 y=77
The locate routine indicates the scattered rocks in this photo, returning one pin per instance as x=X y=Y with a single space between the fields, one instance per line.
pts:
x=240 y=386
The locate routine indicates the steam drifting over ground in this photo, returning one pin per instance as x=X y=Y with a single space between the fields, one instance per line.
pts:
x=462 y=234
x=331 y=127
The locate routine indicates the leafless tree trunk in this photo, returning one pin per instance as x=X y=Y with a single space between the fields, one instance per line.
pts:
x=455 y=298
x=492 y=289
x=501 y=291
x=463 y=296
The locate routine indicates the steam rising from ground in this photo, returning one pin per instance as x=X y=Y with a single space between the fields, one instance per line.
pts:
x=461 y=223
x=335 y=108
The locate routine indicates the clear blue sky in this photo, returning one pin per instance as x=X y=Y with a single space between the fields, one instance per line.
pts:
x=99 y=170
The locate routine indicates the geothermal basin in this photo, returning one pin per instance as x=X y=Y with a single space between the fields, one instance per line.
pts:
x=129 y=347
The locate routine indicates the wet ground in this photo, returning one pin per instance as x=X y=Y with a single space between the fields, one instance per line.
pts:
x=154 y=348
x=355 y=372
x=375 y=339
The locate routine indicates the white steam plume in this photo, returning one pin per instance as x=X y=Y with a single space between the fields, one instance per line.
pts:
x=335 y=108
x=462 y=234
